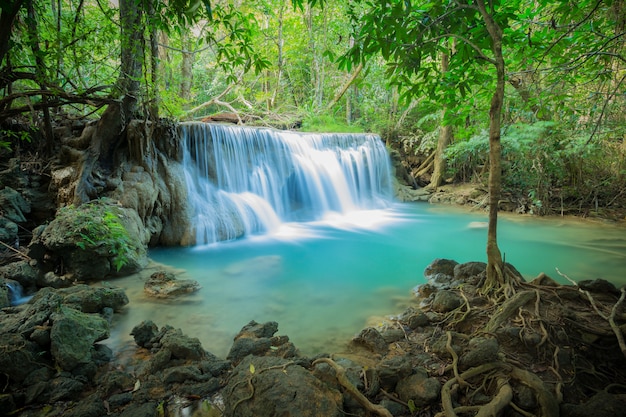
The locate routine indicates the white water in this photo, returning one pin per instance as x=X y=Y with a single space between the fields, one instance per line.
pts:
x=16 y=294
x=243 y=181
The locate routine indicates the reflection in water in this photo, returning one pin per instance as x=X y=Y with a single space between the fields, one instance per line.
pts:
x=323 y=281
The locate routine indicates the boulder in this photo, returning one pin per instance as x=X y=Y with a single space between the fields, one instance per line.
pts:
x=8 y=232
x=258 y=339
x=281 y=388
x=481 y=350
x=90 y=299
x=14 y=206
x=91 y=242
x=372 y=340
x=182 y=346
x=419 y=388
x=73 y=335
x=163 y=284
x=446 y=300
x=441 y=266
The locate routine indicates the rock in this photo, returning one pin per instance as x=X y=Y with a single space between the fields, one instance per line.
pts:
x=8 y=232
x=14 y=206
x=598 y=285
x=164 y=284
x=254 y=329
x=182 y=346
x=144 y=333
x=372 y=340
x=73 y=335
x=419 y=388
x=245 y=346
x=257 y=339
x=481 y=350
x=544 y=280
x=441 y=266
x=89 y=299
x=21 y=271
x=413 y=318
x=92 y=406
x=468 y=270
x=281 y=388
x=7 y=403
x=148 y=409
x=391 y=370
x=446 y=300
x=603 y=404
x=91 y=242
x=19 y=358
x=63 y=389
x=5 y=300
x=181 y=374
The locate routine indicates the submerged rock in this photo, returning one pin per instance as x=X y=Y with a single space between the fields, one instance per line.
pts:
x=164 y=285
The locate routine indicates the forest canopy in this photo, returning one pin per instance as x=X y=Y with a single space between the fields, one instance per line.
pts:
x=405 y=69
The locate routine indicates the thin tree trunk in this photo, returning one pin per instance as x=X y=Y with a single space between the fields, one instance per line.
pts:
x=345 y=86
x=280 y=61
x=495 y=267
x=40 y=74
x=186 y=69
x=445 y=137
x=155 y=74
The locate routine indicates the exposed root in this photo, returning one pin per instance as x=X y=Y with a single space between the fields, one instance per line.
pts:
x=455 y=360
x=340 y=373
x=508 y=308
x=611 y=317
x=499 y=401
x=248 y=381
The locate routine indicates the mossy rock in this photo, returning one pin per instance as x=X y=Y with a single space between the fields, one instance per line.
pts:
x=92 y=241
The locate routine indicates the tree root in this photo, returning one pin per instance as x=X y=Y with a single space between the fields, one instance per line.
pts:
x=547 y=402
x=253 y=373
x=611 y=317
x=507 y=309
x=340 y=373
x=501 y=400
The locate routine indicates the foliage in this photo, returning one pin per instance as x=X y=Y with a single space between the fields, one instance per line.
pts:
x=548 y=164
x=325 y=123
x=98 y=226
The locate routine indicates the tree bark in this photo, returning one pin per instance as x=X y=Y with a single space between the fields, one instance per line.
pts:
x=9 y=11
x=40 y=73
x=495 y=271
x=186 y=68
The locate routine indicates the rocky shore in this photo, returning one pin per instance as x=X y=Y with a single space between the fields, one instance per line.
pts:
x=545 y=349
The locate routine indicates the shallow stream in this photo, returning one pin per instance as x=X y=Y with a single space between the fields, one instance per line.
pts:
x=324 y=281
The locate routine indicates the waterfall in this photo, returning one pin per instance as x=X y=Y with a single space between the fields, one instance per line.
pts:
x=16 y=293
x=243 y=180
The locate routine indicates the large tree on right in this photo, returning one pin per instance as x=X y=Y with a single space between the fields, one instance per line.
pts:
x=541 y=37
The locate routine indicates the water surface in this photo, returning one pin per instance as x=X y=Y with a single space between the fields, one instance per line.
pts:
x=324 y=281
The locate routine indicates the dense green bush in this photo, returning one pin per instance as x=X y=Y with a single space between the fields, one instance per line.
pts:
x=547 y=166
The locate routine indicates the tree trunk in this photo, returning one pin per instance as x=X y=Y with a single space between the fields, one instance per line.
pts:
x=7 y=16
x=445 y=137
x=40 y=72
x=186 y=68
x=496 y=279
x=155 y=67
x=99 y=158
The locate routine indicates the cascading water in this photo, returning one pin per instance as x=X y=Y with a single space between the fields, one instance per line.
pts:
x=244 y=180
